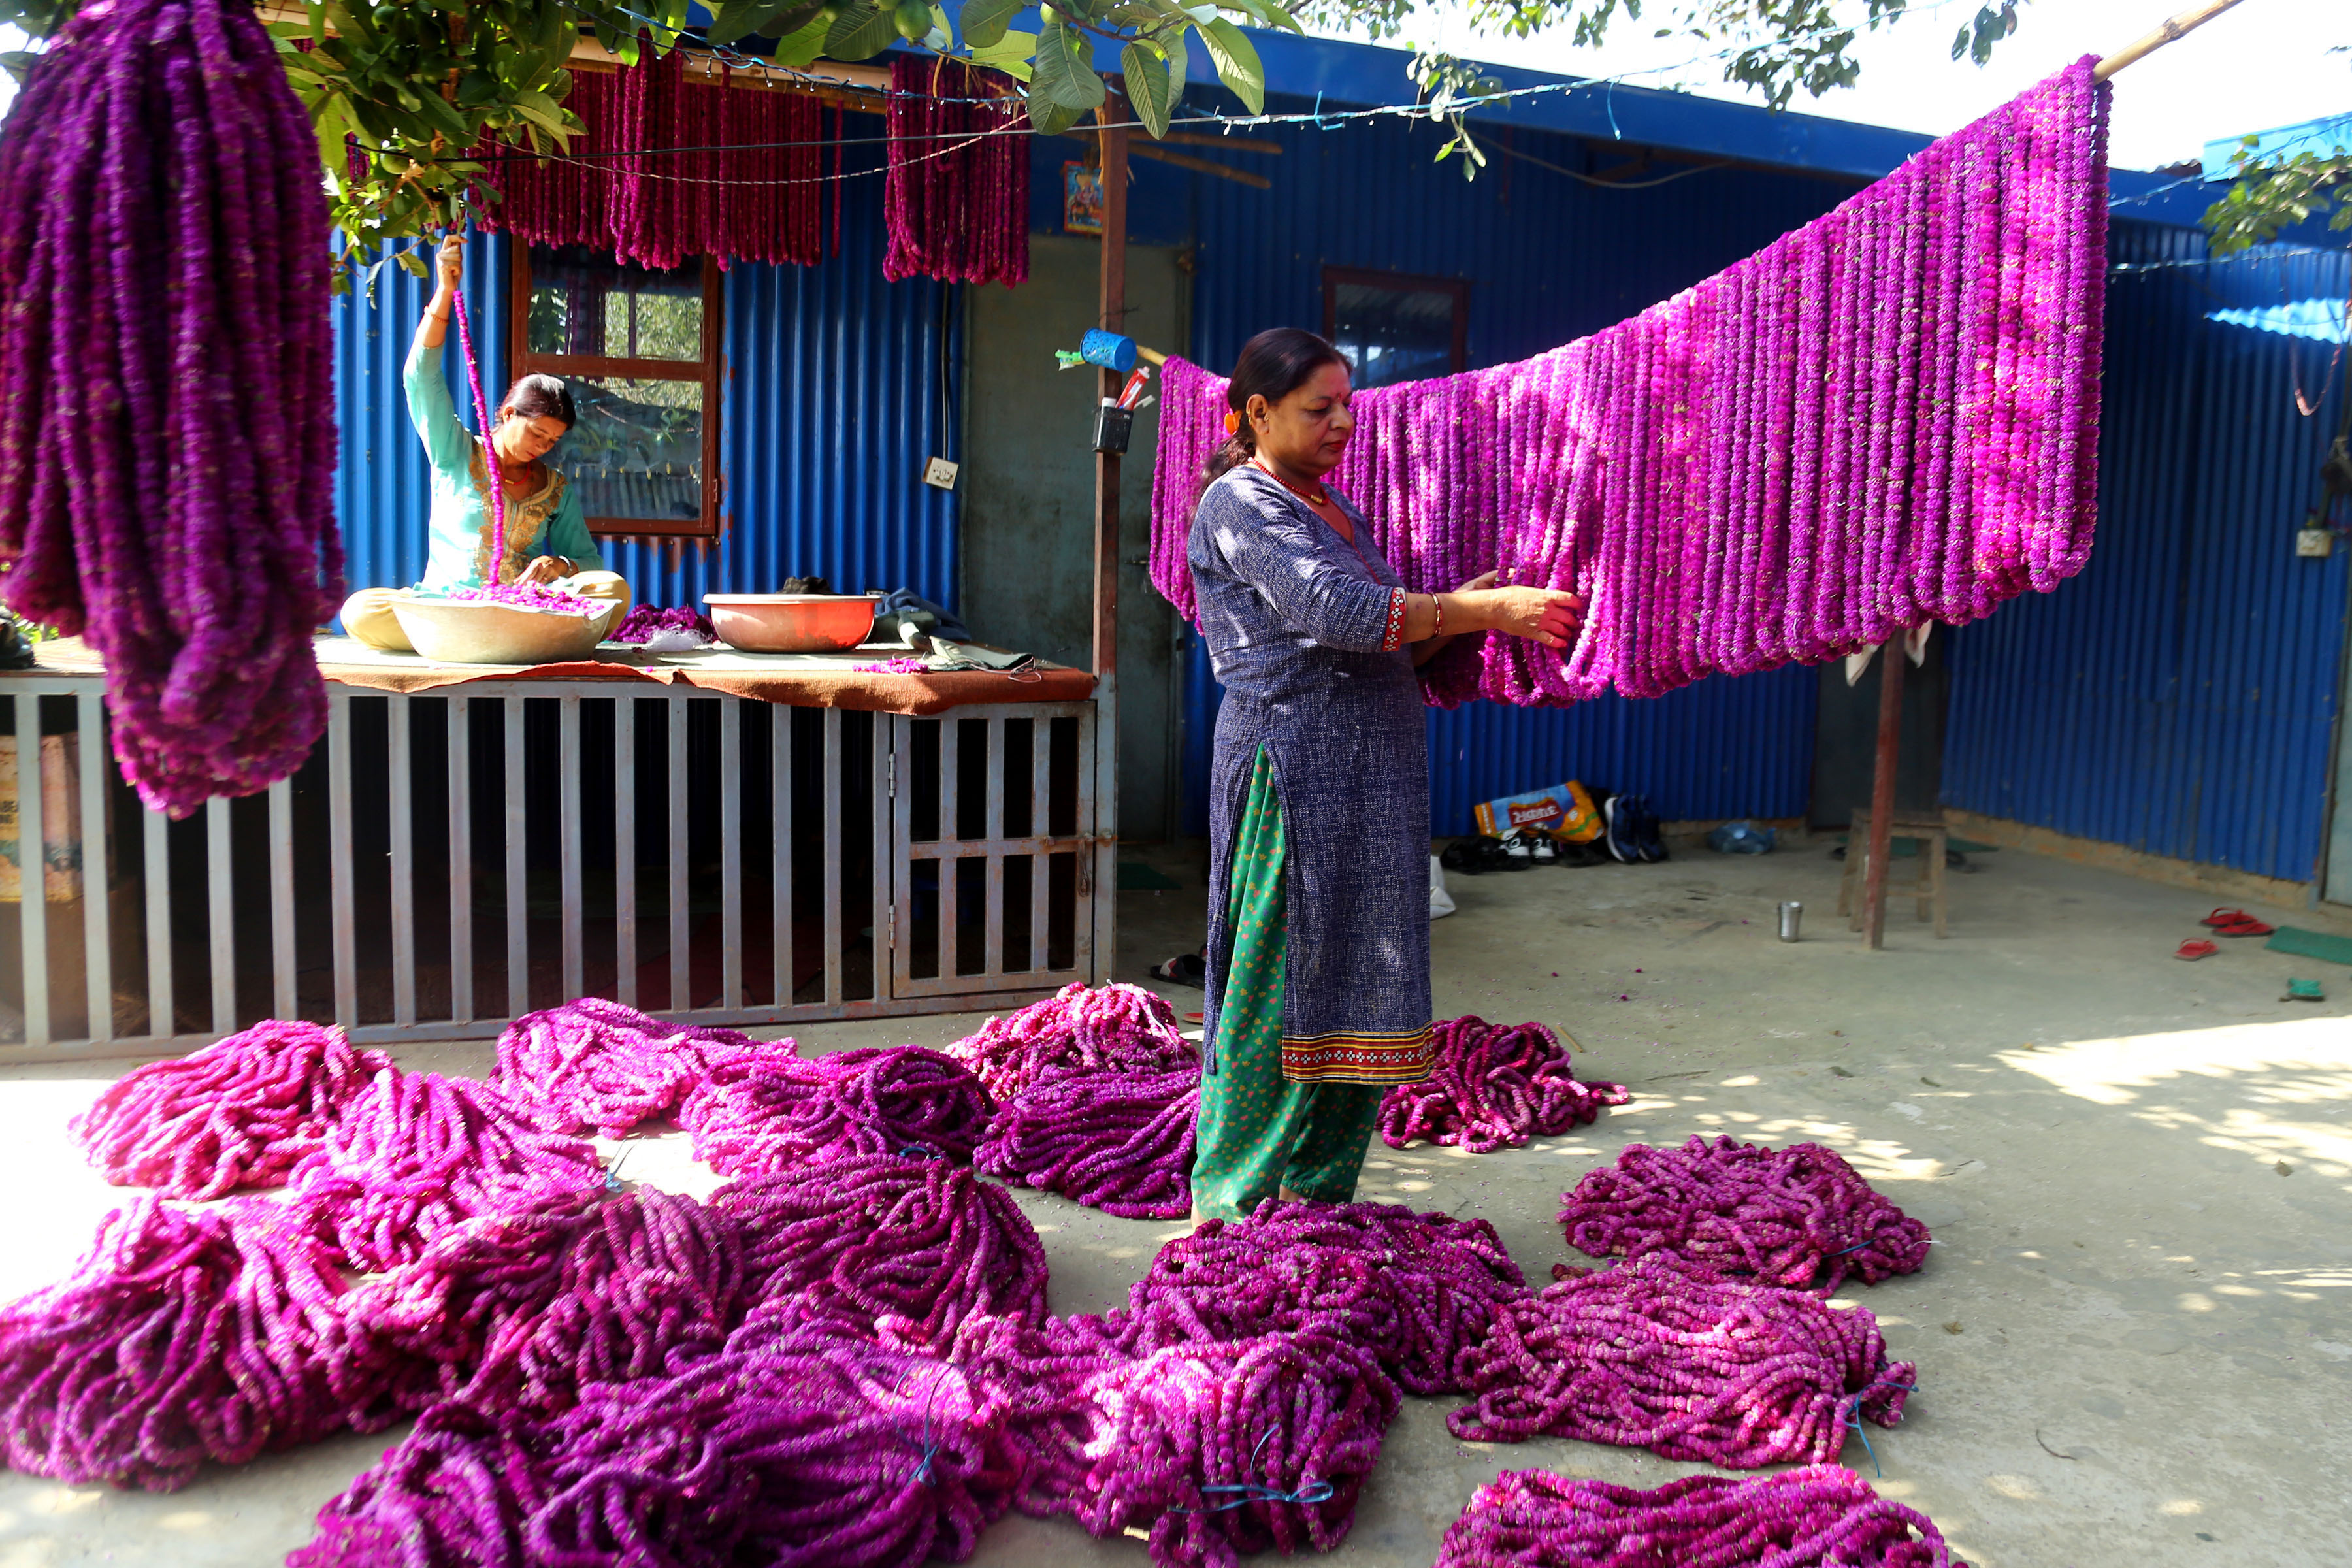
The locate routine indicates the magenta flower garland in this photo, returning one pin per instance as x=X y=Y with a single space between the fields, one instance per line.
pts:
x=877 y=1236
x=1118 y=1142
x=1495 y=1087
x=956 y=194
x=1885 y=417
x=1820 y=1517
x=768 y=1111
x=167 y=413
x=416 y=1152
x=1117 y=1029
x=1682 y=1361
x=1798 y=1216
x=241 y=1113
x=595 y=1064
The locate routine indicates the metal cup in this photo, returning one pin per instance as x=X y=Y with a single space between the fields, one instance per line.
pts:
x=1790 y=914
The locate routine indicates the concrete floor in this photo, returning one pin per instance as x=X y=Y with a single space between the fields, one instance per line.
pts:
x=2133 y=1341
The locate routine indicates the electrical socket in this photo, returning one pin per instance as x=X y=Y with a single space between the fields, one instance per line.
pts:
x=940 y=473
x=2315 y=542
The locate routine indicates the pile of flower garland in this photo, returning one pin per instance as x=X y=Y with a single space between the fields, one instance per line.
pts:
x=241 y=1113
x=1798 y=1216
x=1118 y=1142
x=1112 y=1028
x=645 y=622
x=1495 y=1087
x=1414 y=1288
x=1887 y=416
x=167 y=413
x=1820 y=1517
x=768 y=1111
x=417 y=1152
x=595 y=1064
x=1683 y=1362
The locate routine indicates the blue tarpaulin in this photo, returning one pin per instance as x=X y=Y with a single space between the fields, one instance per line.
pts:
x=2320 y=319
x=2323 y=137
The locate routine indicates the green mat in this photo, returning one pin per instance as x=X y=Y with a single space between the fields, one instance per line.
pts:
x=2311 y=945
x=1135 y=877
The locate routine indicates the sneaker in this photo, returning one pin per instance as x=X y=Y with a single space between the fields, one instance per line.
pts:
x=1617 y=830
x=1646 y=836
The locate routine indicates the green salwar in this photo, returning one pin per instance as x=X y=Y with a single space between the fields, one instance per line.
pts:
x=1257 y=1130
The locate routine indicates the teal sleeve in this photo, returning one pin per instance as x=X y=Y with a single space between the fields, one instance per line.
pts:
x=568 y=535
x=447 y=443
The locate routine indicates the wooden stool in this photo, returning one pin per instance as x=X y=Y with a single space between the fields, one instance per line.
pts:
x=1928 y=832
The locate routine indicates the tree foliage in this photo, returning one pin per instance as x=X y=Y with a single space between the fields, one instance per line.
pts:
x=2271 y=194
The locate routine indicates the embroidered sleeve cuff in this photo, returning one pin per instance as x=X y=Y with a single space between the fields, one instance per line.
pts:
x=1395 y=638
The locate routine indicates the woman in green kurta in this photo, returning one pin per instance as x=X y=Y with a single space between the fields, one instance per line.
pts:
x=547 y=541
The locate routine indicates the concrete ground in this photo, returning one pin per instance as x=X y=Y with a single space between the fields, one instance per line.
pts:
x=2133 y=1337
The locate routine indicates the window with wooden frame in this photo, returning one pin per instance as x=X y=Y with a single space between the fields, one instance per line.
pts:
x=639 y=348
x=1396 y=326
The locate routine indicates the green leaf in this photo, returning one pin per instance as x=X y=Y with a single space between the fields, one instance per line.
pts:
x=1280 y=18
x=737 y=18
x=983 y=22
x=1048 y=118
x=1010 y=53
x=1236 y=60
x=861 y=32
x=1179 y=64
x=1062 y=76
x=806 y=45
x=1146 y=85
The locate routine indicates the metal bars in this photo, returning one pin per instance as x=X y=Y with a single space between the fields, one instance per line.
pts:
x=373 y=861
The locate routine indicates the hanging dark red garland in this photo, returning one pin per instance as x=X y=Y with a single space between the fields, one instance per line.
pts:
x=957 y=191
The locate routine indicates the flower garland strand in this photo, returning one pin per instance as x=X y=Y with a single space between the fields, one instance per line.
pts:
x=595 y=1064
x=1494 y=1086
x=1118 y=1142
x=1112 y=1028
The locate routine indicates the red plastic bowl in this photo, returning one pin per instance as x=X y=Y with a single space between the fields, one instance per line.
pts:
x=790 y=622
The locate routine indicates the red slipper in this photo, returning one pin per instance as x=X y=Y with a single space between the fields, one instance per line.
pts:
x=2244 y=926
x=2225 y=918
x=2196 y=948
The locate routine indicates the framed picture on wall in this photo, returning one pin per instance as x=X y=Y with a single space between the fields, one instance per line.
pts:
x=1081 y=198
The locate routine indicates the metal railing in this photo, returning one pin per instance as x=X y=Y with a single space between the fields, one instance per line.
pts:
x=450 y=860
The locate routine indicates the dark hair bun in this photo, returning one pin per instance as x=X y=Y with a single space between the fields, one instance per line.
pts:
x=542 y=397
x=1274 y=364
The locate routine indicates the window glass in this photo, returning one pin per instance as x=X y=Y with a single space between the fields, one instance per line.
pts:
x=586 y=304
x=636 y=452
x=1393 y=334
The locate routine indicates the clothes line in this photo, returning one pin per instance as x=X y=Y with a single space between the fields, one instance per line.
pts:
x=1887 y=416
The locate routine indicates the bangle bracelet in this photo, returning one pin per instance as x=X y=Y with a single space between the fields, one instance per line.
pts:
x=1438 y=606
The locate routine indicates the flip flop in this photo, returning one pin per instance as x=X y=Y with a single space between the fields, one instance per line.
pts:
x=2196 y=948
x=2249 y=926
x=2225 y=918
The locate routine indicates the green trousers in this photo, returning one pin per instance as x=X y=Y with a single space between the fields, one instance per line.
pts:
x=1257 y=1130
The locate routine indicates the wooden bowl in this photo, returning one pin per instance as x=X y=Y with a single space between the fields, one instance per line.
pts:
x=790 y=622
x=483 y=631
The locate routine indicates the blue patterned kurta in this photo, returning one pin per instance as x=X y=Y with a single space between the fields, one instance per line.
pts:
x=1303 y=632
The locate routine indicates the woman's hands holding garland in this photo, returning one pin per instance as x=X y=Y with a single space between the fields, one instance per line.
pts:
x=1548 y=616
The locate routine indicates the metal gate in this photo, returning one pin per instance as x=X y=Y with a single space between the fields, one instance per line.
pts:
x=450 y=860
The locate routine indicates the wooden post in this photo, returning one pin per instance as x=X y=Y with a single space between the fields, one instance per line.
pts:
x=1881 y=791
x=1106 y=481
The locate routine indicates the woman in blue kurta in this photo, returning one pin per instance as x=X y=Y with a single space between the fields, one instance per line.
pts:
x=547 y=537
x=1319 y=884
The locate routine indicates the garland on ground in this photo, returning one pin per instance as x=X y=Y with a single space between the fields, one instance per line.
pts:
x=1112 y=1028
x=241 y=1113
x=1821 y=1517
x=1683 y=1362
x=1798 y=1216
x=770 y=1112
x=1112 y=1142
x=1885 y=417
x=1495 y=1086
x=595 y=1064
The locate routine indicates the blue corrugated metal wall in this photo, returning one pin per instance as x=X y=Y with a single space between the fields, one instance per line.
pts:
x=2179 y=697
x=1550 y=259
x=833 y=400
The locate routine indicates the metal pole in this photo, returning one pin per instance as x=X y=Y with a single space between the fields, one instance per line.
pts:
x=1101 y=877
x=1882 y=790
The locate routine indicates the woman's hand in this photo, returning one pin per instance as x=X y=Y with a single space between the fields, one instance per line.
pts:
x=1484 y=580
x=544 y=569
x=1547 y=615
x=450 y=266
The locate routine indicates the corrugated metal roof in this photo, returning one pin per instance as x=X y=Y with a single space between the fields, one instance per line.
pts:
x=2179 y=697
x=834 y=401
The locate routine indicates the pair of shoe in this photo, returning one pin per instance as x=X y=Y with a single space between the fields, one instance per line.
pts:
x=1629 y=831
x=1477 y=856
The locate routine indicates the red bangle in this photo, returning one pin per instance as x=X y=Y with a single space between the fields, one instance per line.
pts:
x=1438 y=606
